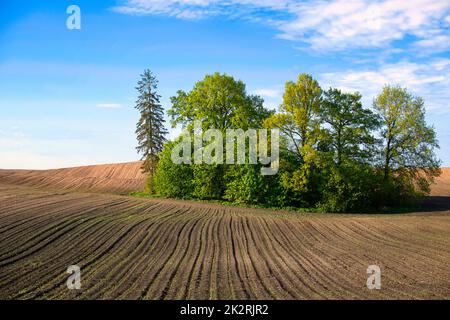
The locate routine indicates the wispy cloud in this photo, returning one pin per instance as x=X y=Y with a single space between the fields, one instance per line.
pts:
x=322 y=25
x=431 y=81
x=342 y=24
x=185 y=9
x=109 y=105
x=435 y=44
x=267 y=92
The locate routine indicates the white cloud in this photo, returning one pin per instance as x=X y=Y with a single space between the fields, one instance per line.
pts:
x=323 y=25
x=109 y=105
x=186 y=9
x=430 y=81
x=341 y=24
x=197 y=9
x=434 y=44
x=267 y=92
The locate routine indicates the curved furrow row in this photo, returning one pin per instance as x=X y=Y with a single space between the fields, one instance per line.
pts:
x=99 y=274
x=365 y=253
x=44 y=203
x=186 y=268
x=76 y=245
x=257 y=246
x=416 y=239
x=18 y=217
x=335 y=265
x=116 y=242
x=317 y=261
x=185 y=242
x=154 y=276
x=131 y=248
x=240 y=262
x=225 y=284
x=51 y=220
x=298 y=265
x=155 y=242
x=396 y=250
x=48 y=262
x=50 y=234
x=128 y=268
x=205 y=277
x=46 y=276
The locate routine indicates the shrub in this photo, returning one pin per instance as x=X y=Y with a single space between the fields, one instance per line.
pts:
x=207 y=181
x=350 y=188
x=172 y=180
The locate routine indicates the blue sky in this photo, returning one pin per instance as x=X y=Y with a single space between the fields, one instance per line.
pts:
x=67 y=96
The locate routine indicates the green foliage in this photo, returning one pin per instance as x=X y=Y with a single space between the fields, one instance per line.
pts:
x=350 y=188
x=246 y=185
x=349 y=135
x=407 y=152
x=336 y=156
x=300 y=124
x=299 y=118
x=219 y=102
x=150 y=130
x=208 y=181
x=172 y=180
x=303 y=184
x=148 y=185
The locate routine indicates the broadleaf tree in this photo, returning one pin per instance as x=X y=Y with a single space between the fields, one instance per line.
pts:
x=300 y=124
x=335 y=155
x=218 y=101
x=349 y=135
x=299 y=119
x=408 y=141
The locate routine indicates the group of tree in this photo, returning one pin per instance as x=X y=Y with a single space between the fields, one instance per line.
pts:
x=335 y=154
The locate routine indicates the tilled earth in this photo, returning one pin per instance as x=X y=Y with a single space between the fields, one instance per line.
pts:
x=130 y=248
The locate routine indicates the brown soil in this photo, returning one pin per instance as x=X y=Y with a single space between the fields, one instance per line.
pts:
x=442 y=185
x=121 y=178
x=163 y=249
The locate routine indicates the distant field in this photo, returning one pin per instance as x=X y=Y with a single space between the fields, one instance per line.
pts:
x=165 y=249
x=121 y=178
x=442 y=185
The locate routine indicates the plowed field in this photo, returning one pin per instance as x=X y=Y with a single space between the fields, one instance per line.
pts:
x=160 y=249
x=442 y=185
x=121 y=178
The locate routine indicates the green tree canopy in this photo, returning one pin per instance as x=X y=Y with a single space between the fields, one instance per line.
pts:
x=299 y=119
x=219 y=102
x=350 y=126
x=335 y=155
x=300 y=123
x=408 y=142
x=170 y=179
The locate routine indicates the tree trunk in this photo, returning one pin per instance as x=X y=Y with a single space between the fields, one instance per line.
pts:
x=387 y=160
x=339 y=148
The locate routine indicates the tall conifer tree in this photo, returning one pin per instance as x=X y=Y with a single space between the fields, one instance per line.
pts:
x=150 y=128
